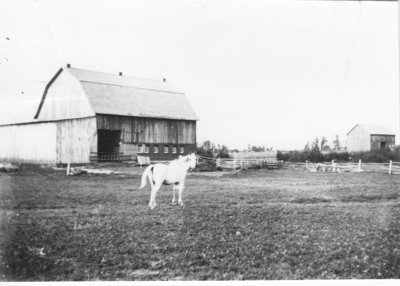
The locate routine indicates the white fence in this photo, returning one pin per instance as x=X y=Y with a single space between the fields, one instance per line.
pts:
x=391 y=168
x=235 y=164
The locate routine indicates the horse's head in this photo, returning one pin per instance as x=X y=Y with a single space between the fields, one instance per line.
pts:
x=190 y=159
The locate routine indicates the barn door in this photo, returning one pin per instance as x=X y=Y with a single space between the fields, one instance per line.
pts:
x=108 y=141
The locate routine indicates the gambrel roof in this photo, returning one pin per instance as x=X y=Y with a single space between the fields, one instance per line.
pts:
x=128 y=96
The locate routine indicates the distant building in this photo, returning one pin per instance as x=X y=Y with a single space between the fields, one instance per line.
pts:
x=86 y=115
x=369 y=137
x=267 y=155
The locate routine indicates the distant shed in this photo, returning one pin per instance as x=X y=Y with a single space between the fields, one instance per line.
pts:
x=369 y=137
x=87 y=115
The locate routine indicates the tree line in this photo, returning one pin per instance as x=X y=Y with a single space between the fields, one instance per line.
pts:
x=320 y=151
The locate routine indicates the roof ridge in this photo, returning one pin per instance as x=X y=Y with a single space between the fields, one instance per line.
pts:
x=109 y=73
x=113 y=84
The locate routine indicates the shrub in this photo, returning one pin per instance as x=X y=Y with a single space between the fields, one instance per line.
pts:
x=338 y=157
x=378 y=156
x=312 y=156
x=208 y=164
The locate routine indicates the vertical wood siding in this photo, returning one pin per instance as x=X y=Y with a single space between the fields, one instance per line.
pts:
x=49 y=142
x=76 y=139
x=377 y=139
x=150 y=130
x=29 y=143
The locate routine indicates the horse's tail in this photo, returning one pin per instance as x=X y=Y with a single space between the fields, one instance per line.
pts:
x=148 y=172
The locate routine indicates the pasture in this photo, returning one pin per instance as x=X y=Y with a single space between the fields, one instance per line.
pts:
x=256 y=224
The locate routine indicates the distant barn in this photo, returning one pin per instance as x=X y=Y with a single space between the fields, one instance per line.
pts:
x=87 y=115
x=369 y=137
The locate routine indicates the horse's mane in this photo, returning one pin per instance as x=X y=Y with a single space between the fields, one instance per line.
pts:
x=182 y=158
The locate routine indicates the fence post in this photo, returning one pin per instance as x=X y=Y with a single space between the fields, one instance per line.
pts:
x=390 y=167
x=68 y=168
x=306 y=164
x=234 y=164
x=334 y=169
x=219 y=162
x=359 y=165
x=241 y=164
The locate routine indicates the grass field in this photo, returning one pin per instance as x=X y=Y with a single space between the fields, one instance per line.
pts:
x=255 y=224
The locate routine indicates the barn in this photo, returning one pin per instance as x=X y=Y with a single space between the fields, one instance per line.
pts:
x=369 y=138
x=87 y=115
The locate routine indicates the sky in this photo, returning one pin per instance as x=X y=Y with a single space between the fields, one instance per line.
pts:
x=267 y=73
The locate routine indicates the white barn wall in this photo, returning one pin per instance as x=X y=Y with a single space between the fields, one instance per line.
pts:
x=76 y=139
x=49 y=142
x=28 y=143
x=358 y=140
x=65 y=99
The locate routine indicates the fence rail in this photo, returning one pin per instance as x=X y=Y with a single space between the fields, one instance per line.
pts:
x=110 y=157
x=392 y=168
x=235 y=164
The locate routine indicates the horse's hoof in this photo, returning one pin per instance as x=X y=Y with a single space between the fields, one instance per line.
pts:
x=173 y=203
x=181 y=204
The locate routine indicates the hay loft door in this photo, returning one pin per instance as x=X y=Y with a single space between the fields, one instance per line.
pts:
x=108 y=141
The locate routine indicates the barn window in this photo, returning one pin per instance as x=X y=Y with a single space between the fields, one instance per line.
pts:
x=181 y=150
x=146 y=149
x=165 y=149
x=155 y=150
x=140 y=148
x=174 y=150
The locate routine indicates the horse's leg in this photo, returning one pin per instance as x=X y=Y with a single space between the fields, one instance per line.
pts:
x=154 y=190
x=180 y=186
x=151 y=197
x=174 y=189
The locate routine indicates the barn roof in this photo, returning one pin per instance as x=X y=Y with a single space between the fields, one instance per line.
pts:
x=122 y=80
x=373 y=129
x=130 y=96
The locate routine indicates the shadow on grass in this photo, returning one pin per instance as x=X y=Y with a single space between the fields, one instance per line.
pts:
x=313 y=200
x=369 y=198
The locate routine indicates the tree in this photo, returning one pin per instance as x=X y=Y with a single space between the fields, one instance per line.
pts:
x=326 y=148
x=323 y=142
x=206 y=145
x=315 y=145
x=223 y=152
x=336 y=144
x=307 y=147
x=208 y=149
x=257 y=148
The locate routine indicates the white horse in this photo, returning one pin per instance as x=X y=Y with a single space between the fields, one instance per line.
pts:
x=172 y=174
